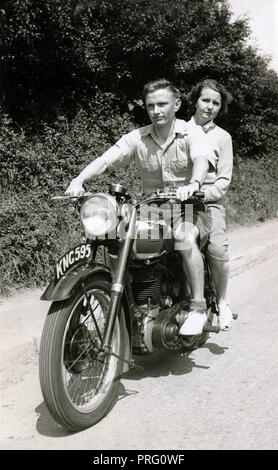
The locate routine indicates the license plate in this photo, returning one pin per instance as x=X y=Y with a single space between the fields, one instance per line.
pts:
x=73 y=256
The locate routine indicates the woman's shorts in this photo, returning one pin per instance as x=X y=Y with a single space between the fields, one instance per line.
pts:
x=218 y=245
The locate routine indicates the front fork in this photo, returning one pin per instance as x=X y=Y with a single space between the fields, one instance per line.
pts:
x=119 y=282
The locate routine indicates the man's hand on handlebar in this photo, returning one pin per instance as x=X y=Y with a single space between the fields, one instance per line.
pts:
x=75 y=188
x=184 y=192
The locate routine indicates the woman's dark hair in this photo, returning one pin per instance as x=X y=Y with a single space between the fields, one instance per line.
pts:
x=195 y=93
x=158 y=85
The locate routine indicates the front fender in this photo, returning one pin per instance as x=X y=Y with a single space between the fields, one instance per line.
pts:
x=66 y=286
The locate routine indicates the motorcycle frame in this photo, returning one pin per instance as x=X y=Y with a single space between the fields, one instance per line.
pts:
x=66 y=286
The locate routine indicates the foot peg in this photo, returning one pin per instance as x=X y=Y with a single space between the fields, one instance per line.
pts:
x=215 y=329
x=211 y=328
x=208 y=327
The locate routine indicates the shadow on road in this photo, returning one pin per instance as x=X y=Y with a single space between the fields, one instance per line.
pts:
x=46 y=425
x=163 y=363
x=214 y=348
x=157 y=364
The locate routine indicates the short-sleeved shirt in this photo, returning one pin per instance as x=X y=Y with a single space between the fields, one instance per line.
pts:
x=160 y=166
x=218 y=178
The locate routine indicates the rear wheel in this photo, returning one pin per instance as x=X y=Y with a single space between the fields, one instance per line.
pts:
x=79 y=385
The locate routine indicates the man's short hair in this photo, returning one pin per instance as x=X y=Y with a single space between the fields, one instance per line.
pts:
x=159 y=84
x=195 y=93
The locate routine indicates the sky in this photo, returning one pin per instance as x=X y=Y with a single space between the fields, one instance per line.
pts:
x=263 y=15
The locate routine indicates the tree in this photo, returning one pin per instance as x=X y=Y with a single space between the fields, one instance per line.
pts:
x=72 y=72
x=60 y=56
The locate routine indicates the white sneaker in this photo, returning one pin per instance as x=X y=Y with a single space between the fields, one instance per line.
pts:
x=193 y=324
x=225 y=316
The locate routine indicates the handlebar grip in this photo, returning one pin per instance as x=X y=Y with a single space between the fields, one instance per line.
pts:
x=66 y=197
x=62 y=198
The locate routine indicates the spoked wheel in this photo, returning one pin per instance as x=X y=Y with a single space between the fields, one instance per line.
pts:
x=80 y=385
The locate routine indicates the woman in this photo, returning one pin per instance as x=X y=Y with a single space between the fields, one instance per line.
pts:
x=210 y=99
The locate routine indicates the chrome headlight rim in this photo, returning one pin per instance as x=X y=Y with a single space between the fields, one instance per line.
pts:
x=113 y=221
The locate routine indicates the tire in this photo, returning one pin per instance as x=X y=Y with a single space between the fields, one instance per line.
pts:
x=79 y=387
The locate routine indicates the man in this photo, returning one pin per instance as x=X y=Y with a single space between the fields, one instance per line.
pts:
x=166 y=155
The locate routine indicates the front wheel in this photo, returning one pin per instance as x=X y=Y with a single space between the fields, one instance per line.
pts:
x=79 y=385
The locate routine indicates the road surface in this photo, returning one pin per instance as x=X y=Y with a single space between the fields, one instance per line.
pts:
x=221 y=396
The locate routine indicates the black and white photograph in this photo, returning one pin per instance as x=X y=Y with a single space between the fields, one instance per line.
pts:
x=139 y=221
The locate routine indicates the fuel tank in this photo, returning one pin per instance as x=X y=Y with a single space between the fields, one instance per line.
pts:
x=152 y=238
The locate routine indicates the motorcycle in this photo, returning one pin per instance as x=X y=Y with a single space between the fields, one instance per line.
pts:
x=121 y=292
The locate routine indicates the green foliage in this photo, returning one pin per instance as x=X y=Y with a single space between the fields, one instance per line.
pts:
x=34 y=231
x=72 y=72
x=253 y=193
x=62 y=56
x=33 y=236
x=49 y=160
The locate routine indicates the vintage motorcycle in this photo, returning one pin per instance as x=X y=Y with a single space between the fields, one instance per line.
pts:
x=120 y=293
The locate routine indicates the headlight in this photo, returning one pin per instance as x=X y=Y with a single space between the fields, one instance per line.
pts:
x=99 y=215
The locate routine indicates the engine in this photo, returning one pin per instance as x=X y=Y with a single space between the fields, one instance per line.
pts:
x=146 y=284
x=156 y=291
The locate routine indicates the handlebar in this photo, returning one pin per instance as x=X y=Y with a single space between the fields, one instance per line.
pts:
x=155 y=196
x=71 y=198
x=62 y=198
x=159 y=196
x=172 y=194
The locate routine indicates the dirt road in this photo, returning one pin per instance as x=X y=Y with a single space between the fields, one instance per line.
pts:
x=222 y=396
